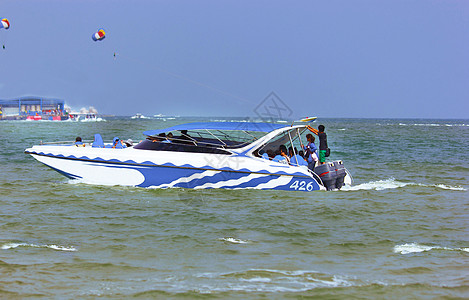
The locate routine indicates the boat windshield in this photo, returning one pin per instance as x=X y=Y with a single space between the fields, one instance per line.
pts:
x=200 y=140
x=290 y=139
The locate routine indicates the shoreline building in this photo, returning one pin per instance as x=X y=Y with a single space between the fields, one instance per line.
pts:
x=33 y=108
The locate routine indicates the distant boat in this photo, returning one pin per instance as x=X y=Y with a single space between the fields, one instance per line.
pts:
x=163 y=117
x=139 y=116
x=84 y=117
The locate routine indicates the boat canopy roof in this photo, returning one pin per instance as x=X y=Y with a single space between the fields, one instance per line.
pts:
x=238 y=126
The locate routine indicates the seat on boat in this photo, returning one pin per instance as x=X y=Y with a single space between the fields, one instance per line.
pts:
x=98 y=141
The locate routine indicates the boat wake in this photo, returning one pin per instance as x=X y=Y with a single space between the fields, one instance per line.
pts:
x=52 y=246
x=416 y=248
x=392 y=183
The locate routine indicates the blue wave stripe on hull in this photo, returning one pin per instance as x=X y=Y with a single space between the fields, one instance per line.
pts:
x=215 y=178
x=167 y=164
x=254 y=182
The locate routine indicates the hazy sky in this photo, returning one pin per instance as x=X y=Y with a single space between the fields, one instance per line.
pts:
x=360 y=58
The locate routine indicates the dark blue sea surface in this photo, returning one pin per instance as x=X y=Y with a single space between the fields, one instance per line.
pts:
x=401 y=231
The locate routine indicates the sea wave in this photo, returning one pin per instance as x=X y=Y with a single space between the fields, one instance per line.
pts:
x=233 y=240
x=432 y=125
x=52 y=246
x=448 y=187
x=416 y=248
x=270 y=280
x=425 y=124
x=392 y=183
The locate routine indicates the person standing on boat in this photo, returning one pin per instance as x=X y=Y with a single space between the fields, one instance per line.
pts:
x=311 y=155
x=323 y=147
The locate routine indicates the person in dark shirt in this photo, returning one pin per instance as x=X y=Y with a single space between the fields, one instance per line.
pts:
x=322 y=141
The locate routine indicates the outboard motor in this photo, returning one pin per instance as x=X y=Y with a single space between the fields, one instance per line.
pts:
x=340 y=171
x=328 y=175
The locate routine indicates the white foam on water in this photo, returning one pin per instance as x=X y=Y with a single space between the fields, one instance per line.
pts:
x=268 y=280
x=426 y=124
x=429 y=124
x=392 y=183
x=417 y=248
x=379 y=185
x=443 y=186
x=448 y=187
x=257 y=279
x=411 y=248
x=456 y=125
x=52 y=246
x=233 y=240
x=74 y=181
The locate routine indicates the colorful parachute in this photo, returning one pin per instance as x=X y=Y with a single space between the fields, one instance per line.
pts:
x=99 y=35
x=5 y=23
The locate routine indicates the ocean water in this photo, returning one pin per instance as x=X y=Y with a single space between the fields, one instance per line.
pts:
x=402 y=230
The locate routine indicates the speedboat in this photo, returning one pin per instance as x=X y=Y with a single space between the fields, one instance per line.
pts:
x=138 y=116
x=202 y=155
x=84 y=117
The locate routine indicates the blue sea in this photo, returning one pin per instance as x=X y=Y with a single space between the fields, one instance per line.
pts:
x=400 y=232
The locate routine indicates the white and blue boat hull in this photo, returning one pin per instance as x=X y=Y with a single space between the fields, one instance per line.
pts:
x=149 y=169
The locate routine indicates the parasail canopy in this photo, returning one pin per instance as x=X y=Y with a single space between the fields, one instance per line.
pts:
x=5 y=23
x=99 y=35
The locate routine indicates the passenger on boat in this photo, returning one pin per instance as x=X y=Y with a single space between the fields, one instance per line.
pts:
x=311 y=152
x=163 y=138
x=282 y=156
x=297 y=159
x=185 y=138
x=78 y=142
x=129 y=143
x=270 y=153
x=323 y=147
x=301 y=153
x=117 y=143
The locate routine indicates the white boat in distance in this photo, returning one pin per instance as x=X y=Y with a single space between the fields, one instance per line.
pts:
x=196 y=155
x=84 y=117
x=139 y=116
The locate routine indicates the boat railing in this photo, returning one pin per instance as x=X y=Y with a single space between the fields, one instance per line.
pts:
x=56 y=143
x=71 y=143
